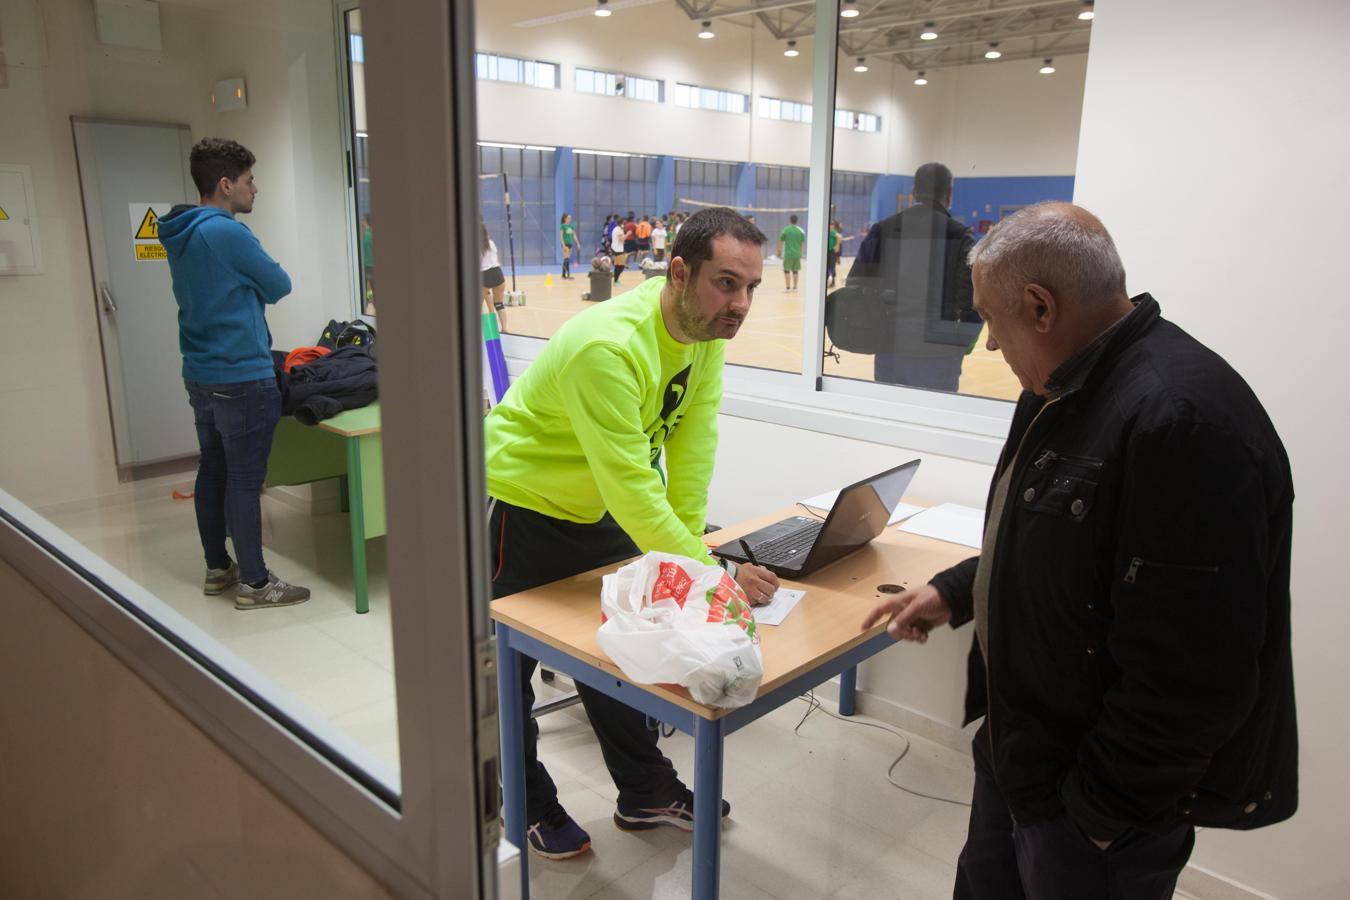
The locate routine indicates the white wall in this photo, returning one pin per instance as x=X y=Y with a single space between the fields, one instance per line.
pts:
x=989 y=120
x=928 y=679
x=57 y=444
x=1005 y=119
x=1214 y=146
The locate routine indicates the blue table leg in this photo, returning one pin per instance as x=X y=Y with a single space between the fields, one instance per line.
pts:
x=510 y=721
x=708 y=735
x=848 y=691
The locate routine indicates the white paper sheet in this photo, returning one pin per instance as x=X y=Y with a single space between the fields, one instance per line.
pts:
x=824 y=502
x=950 y=522
x=777 y=609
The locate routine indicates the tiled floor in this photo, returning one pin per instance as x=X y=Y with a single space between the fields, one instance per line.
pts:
x=813 y=814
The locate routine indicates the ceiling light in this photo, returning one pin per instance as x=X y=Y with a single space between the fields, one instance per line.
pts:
x=993 y=52
x=1048 y=68
x=1087 y=13
x=921 y=80
x=601 y=9
x=850 y=10
x=707 y=32
x=791 y=49
x=861 y=66
x=929 y=32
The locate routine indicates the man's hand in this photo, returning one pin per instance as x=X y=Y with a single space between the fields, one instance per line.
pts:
x=758 y=583
x=912 y=614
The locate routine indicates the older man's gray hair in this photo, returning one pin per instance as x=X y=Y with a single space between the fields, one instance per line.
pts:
x=1062 y=247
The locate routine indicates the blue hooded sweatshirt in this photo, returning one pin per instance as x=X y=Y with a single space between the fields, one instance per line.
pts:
x=222 y=280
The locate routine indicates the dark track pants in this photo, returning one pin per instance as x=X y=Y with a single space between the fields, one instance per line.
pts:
x=1054 y=860
x=528 y=550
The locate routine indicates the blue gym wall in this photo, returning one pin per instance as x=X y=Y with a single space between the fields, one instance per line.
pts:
x=975 y=201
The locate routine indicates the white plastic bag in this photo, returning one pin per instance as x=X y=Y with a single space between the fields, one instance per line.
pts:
x=670 y=620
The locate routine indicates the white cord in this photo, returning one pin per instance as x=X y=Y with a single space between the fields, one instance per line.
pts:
x=812 y=704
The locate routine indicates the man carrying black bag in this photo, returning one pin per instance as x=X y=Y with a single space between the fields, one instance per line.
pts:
x=910 y=287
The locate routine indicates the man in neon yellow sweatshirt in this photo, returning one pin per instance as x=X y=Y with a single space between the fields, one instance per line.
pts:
x=574 y=472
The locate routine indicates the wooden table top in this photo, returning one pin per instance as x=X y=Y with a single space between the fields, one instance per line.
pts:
x=355 y=422
x=566 y=614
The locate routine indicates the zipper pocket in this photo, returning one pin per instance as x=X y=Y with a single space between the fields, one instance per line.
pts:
x=1049 y=456
x=1136 y=563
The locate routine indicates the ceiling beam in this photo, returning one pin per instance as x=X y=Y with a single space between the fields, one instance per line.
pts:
x=863 y=23
x=748 y=9
x=931 y=46
x=1007 y=57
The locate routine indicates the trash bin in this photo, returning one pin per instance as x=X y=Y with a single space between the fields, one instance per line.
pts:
x=602 y=284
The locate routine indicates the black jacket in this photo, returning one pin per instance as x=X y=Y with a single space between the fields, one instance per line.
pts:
x=344 y=379
x=916 y=263
x=1139 y=669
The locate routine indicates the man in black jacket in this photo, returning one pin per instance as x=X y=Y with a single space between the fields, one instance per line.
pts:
x=1131 y=599
x=914 y=265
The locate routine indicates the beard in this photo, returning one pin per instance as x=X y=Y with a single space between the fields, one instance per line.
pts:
x=689 y=316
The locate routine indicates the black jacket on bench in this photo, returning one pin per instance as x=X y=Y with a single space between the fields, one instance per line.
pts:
x=1139 y=669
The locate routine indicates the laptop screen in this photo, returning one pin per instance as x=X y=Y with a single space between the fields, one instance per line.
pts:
x=860 y=513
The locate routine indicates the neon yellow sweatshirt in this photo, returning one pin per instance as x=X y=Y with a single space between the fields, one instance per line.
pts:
x=581 y=431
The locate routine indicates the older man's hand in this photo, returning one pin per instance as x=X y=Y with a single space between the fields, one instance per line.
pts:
x=758 y=583
x=911 y=614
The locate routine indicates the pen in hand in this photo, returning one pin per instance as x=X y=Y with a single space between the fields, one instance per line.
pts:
x=748 y=555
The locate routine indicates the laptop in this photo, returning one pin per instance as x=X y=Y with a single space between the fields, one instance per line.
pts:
x=800 y=545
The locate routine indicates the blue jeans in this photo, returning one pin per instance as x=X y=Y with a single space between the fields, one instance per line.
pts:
x=235 y=423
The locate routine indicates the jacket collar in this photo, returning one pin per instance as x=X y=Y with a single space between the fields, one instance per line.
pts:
x=1102 y=351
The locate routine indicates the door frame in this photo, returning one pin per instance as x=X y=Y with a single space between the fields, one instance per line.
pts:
x=438 y=836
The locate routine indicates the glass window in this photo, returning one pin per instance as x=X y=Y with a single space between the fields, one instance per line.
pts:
x=786 y=110
x=275 y=582
x=634 y=87
x=498 y=67
x=695 y=97
x=979 y=139
x=358 y=138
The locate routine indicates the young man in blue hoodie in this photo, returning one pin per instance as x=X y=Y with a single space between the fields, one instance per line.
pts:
x=223 y=281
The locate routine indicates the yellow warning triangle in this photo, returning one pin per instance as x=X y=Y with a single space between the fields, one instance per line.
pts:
x=4 y=216
x=149 y=229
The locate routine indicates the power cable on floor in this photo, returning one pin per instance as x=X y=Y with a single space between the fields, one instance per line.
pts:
x=812 y=704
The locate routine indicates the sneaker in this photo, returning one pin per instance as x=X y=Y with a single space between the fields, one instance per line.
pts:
x=275 y=593
x=679 y=813
x=217 y=580
x=557 y=836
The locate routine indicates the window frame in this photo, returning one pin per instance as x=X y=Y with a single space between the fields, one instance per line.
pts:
x=441 y=836
x=356 y=280
x=802 y=107
x=491 y=57
x=627 y=77
x=722 y=95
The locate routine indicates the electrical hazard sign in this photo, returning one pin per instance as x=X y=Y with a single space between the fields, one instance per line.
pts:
x=144 y=219
x=4 y=216
x=148 y=230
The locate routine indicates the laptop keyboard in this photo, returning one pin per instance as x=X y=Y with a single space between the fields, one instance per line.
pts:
x=790 y=547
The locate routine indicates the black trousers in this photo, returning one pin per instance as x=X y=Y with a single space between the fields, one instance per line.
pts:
x=528 y=550
x=1055 y=860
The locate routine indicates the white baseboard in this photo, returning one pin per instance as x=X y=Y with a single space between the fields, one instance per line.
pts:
x=317 y=498
x=1203 y=884
x=904 y=718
